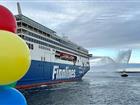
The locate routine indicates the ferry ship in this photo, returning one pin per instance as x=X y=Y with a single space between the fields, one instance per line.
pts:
x=53 y=59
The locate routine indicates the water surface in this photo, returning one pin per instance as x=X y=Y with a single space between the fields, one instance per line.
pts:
x=96 y=88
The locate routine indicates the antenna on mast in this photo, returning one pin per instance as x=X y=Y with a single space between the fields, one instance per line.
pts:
x=19 y=9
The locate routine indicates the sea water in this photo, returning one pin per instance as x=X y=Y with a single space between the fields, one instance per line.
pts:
x=98 y=87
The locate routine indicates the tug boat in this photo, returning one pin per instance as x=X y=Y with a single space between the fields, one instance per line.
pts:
x=124 y=74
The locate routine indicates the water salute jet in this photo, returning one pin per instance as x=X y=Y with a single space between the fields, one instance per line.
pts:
x=120 y=63
x=14 y=59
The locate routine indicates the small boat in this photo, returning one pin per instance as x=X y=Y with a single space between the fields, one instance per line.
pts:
x=124 y=74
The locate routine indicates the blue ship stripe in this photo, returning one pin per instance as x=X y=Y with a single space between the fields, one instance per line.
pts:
x=41 y=71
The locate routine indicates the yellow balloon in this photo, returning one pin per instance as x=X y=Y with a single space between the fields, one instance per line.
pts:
x=14 y=57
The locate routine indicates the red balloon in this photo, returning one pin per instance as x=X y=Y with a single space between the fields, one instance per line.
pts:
x=7 y=20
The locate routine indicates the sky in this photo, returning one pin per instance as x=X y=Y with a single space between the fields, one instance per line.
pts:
x=101 y=26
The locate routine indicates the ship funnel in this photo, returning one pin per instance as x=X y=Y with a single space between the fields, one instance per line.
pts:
x=19 y=9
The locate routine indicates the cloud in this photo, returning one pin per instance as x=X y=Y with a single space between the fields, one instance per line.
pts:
x=111 y=26
x=91 y=24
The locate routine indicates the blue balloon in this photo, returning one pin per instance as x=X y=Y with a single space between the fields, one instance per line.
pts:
x=11 y=96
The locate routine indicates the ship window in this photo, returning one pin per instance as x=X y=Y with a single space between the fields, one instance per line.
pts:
x=30 y=46
x=48 y=35
x=42 y=58
x=24 y=24
x=22 y=36
x=19 y=24
x=30 y=27
x=18 y=30
x=40 y=32
x=19 y=35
